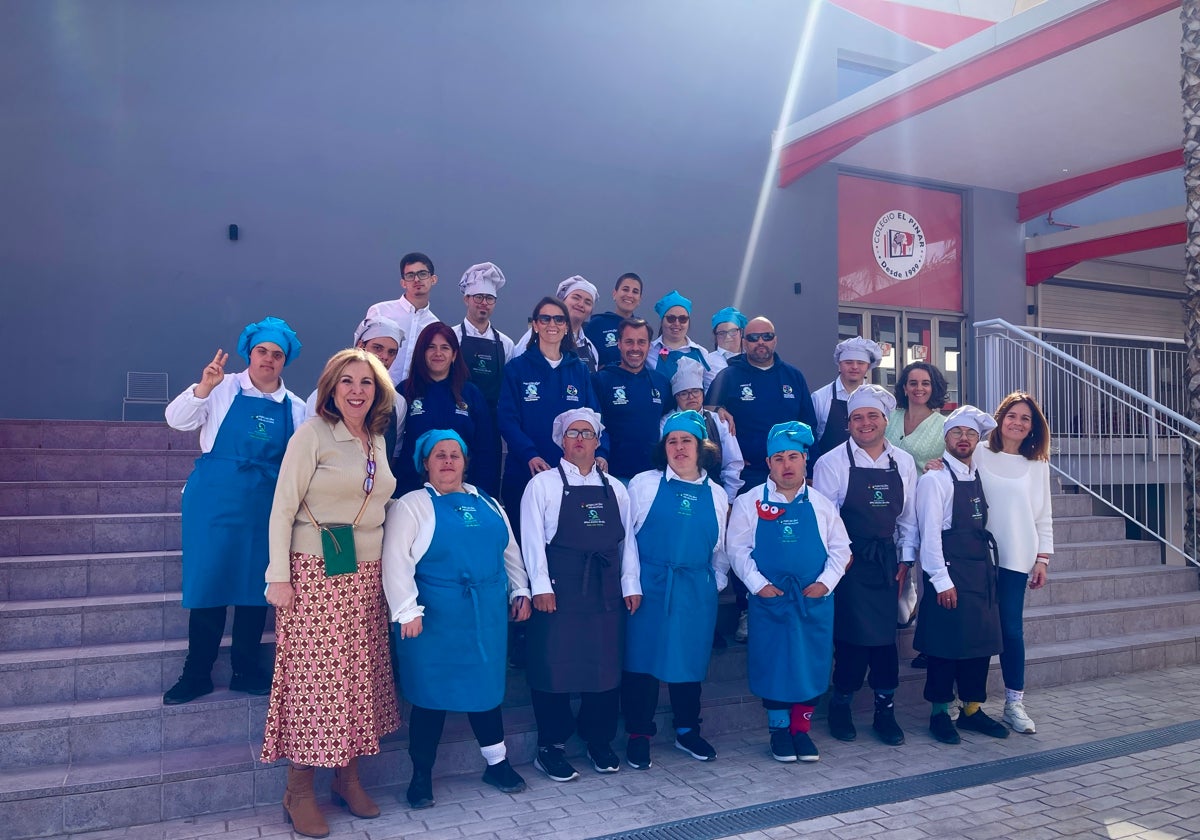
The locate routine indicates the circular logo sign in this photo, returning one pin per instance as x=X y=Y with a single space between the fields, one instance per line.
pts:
x=899 y=244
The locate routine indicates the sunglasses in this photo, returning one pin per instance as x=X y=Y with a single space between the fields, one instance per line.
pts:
x=676 y=319
x=552 y=319
x=754 y=338
x=369 y=484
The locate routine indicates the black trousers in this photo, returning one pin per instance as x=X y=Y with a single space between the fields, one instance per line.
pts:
x=850 y=664
x=206 y=625
x=970 y=675
x=639 y=700
x=596 y=722
x=425 y=732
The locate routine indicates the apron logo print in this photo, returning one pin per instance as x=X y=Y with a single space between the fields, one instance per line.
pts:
x=787 y=530
x=531 y=394
x=878 y=495
x=481 y=364
x=593 y=515
x=416 y=408
x=655 y=395
x=747 y=393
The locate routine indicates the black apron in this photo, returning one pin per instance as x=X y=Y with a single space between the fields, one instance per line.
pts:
x=866 y=596
x=972 y=629
x=579 y=646
x=485 y=363
x=835 y=431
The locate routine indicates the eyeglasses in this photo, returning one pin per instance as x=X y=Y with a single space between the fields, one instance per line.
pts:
x=369 y=484
x=676 y=319
x=690 y=392
x=962 y=432
x=552 y=319
x=483 y=298
x=586 y=434
x=754 y=338
x=417 y=275
x=727 y=333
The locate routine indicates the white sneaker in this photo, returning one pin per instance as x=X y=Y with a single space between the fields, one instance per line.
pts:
x=743 y=629
x=1014 y=716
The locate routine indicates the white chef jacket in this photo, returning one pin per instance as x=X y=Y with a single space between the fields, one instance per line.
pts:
x=643 y=488
x=732 y=460
x=466 y=328
x=822 y=400
x=831 y=476
x=743 y=522
x=540 y=507
x=935 y=509
x=407 y=534
x=412 y=321
x=187 y=411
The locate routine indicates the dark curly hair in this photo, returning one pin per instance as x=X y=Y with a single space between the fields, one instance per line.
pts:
x=937 y=382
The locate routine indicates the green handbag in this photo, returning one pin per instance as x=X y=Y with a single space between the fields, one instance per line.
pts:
x=337 y=543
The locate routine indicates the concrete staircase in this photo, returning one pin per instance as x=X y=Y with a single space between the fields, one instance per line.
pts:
x=92 y=632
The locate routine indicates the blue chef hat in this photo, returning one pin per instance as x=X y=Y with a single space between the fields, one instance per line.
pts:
x=672 y=298
x=730 y=315
x=691 y=422
x=430 y=439
x=274 y=330
x=792 y=435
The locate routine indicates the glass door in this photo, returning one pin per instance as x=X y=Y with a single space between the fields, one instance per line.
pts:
x=927 y=337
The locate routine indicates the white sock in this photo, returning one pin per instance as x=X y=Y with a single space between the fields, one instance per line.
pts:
x=1013 y=696
x=494 y=754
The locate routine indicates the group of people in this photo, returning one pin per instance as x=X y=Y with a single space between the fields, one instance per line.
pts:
x=397 y=544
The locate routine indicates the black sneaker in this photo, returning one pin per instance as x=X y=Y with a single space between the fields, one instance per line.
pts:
x=942 y=728
x=841 y=722
x=695 y=746
x=920 y=661
x=782 y=748
x=981 y=723
x=806 y=750
x=603 y=758
x=187 y=690
x=885 y=725
x=420 y=790
x=504 y=778
x=553 y=762
x=251 y=682
x=637 y=752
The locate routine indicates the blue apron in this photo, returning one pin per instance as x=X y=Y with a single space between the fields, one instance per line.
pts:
x=791 y=637
x=458 y=662
x=227 y=505
x=668 y=364
x=670 y=636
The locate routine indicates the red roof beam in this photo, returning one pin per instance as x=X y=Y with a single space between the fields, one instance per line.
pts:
x=1042 y=265
x=1033 y=203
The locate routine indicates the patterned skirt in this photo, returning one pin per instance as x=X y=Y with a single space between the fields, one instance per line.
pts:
x=333 y=697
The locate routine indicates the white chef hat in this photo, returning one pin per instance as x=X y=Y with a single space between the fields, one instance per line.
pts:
x=575 y=283
x=482 y=279
x=378 y=326
x=871 y=396
x=858 y=349
x=563 y=421
x=971 y=417
x=689 y=374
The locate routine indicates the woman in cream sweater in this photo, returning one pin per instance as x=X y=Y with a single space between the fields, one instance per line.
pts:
x=1014 y=464
x=332 y=698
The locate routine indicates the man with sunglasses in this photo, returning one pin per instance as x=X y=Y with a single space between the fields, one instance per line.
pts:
x=760 y=390
x=411 y=312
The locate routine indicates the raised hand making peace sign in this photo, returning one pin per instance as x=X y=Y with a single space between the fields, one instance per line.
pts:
x=213 y=373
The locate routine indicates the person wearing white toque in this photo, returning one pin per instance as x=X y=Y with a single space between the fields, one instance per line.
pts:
x=577 y=543
x=687 y=386
x=411 y=311
x=579 y=296
x=958 y=625
x=874 y=485
x=855 y=359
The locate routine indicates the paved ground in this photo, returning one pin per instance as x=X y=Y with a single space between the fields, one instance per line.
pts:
x=1143 y=795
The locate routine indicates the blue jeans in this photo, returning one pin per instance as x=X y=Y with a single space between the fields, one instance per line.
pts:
x=1010 y=592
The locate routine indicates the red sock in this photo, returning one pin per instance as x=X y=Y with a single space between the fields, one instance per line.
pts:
x=801 y=718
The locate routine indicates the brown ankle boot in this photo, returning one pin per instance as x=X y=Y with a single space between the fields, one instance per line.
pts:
x=300 y=805
x=347 y=791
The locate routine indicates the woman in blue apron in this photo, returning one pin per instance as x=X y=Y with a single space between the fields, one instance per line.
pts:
x=673 y=343
x=451 y=567
x=245 y=421
x=790 y=547
x=679 y=520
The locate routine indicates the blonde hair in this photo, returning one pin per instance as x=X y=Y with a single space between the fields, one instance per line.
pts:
x=384 y=403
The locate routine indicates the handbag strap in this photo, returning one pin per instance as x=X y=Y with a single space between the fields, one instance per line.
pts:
x=361 y=510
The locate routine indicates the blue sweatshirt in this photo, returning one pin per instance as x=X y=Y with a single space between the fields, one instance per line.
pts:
x=632 y=404
x=601 y=330
x=436 y=409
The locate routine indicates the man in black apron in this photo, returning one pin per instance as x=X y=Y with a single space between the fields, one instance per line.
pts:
x=958 y=625
x=855 y=359
x=484 y=348
x=874 y=485
x=584 y=575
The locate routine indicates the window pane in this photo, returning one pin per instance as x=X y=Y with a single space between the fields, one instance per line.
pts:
x=883 y=332
x=949 y=356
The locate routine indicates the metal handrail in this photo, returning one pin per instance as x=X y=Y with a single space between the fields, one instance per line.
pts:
x=1153 y=339
x=1118 y=445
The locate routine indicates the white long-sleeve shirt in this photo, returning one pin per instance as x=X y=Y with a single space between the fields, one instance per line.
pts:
x=407 y=535
x=187 y=411
x=468 y=330
x=935 y=510
x=822 y=401
x=732 y=460
x=831 y=476
x=643 y=488
x=1019 y=515
x=743 y=523
x=540 y=507
x=412 y=321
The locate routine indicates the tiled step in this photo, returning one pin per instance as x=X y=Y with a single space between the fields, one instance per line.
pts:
x=91 y=620
x=1106 y=554
x=95 y=464
x=1074 y=529
x=92 y=434
x=1117 y=618
x=78 y=575
x=1071 y=504
x=112 y=532
x=48 y=498
x=1081 y=587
